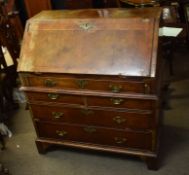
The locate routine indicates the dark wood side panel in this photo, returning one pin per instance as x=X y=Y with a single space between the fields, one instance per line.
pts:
x=35 y=6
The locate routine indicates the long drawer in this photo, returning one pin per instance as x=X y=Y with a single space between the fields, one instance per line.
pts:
x=97 y=117
x=95 y=135
x=96 y=84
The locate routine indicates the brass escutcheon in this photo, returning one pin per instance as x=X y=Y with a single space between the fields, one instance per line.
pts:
x=81 y=83
x=49 y=83
x=61 y=133
x=53 y=96
x=57 y=115
x=146 y=88
x=115 y=88
x=86 y=111
x=119 y=119
x=117 y=101
x=86 y=26
x=90 y=129
x=120 y=140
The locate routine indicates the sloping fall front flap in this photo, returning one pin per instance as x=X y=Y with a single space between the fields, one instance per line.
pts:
x=105 y=45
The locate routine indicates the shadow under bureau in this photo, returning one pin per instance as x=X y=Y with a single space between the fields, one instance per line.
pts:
x=93 y=78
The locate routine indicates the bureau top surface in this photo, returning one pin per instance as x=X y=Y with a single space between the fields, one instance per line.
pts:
x=93 y=41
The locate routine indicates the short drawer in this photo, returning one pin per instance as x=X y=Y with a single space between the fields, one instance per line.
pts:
x=116 y=102
x=97 y=117
x=95 y=135
x=97 y=84
x=55 y=97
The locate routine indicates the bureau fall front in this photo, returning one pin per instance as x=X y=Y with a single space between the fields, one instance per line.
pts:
x=93 y=78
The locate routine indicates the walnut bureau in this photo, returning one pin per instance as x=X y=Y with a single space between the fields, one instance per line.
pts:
x=92 y=80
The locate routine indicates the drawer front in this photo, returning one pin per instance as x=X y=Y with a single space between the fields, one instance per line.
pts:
x=129 y=103
x=91 y=134
x=97 y=117
x=55 y=97
x=92 y=84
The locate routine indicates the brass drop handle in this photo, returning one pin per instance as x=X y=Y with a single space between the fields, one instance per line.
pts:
x=120 y=140
x=119 y=119
x=81 y=83
x=61 y=133
x=53 y=96
x=90 y=129
x=117 y=101
x=57 y=115
x=115 y=88
x=86 y=111
x=49 y=83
